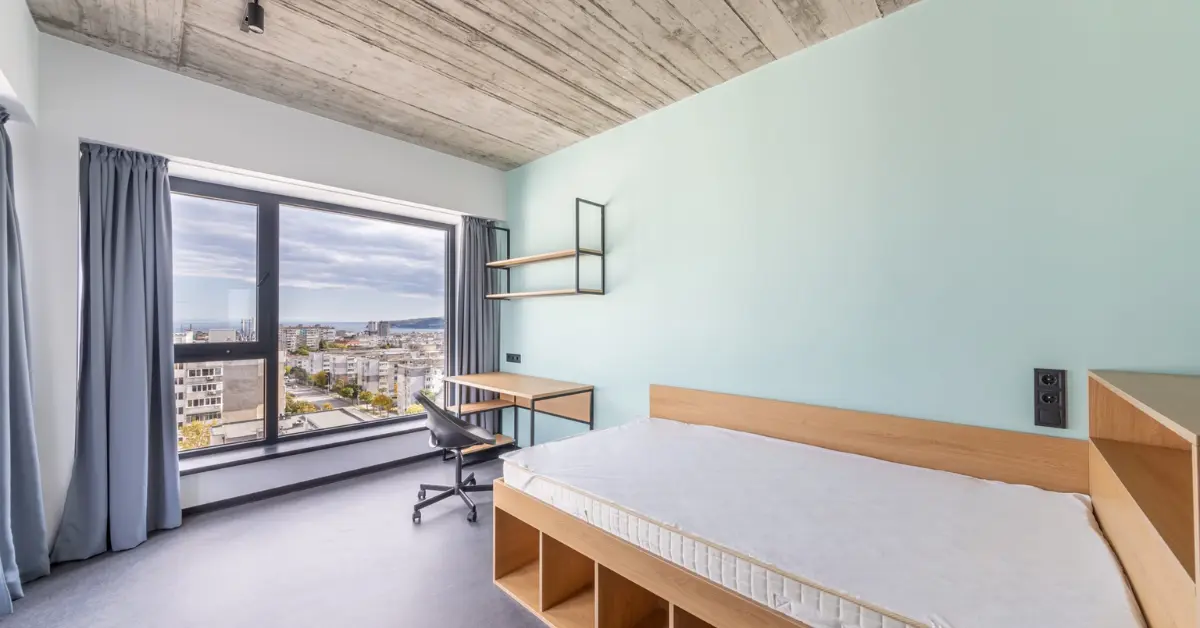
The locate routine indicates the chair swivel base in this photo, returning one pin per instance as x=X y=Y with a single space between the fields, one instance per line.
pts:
x=467 y=485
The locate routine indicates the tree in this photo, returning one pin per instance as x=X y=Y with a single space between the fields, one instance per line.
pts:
x=383 y=403
x=428 y=392
x=322 y=345
x=195 y=434
x=414 y=409
x=300 y=374
x=365 y=396
x=303 y=350
x=287 y=370
x=294 y=406
x=321 y=379
x=347 y=392
x=327 y=406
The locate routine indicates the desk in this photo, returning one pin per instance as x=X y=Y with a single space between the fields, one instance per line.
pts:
x=566 y=400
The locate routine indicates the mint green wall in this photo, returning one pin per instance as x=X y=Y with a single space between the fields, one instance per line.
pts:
x=906 y=219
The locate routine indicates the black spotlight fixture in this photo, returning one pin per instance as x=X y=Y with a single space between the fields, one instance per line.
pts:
x=256 y=18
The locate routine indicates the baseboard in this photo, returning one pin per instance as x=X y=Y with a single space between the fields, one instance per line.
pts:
x=307 y=484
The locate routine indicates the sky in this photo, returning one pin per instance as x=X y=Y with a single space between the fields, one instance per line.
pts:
x=331 y=267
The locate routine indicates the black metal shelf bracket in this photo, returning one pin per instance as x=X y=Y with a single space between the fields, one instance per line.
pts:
x=579 y=202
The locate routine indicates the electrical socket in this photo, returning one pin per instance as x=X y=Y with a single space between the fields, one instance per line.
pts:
x=515 y=358
x=1050 y=398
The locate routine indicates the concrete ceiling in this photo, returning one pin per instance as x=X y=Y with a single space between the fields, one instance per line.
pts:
x=500 y=82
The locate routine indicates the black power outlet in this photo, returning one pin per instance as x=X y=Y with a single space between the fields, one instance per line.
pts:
x=1050 y=398
x=513 y=357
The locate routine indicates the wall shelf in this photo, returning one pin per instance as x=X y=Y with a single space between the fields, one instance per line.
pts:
x=542 y=257
x=543 y=293
x=576 y=253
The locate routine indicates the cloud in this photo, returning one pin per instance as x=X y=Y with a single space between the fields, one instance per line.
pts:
x=318 y=250
x=213 y=238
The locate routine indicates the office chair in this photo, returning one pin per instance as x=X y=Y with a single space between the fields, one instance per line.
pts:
x=447 y=431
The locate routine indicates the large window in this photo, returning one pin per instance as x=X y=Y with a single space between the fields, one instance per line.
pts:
x=293 y=317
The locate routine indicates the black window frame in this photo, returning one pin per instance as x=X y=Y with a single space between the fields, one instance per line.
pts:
x=266 y=345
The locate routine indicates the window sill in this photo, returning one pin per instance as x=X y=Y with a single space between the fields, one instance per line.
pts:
x=222 y=459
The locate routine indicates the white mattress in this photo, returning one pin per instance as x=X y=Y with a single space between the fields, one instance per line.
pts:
x=837 y=540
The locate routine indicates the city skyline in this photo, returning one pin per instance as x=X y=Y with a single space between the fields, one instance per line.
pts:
x=333 y=267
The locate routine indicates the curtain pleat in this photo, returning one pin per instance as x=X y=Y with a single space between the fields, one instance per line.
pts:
x=125 y=482
x=476 y=340
x=23 y=553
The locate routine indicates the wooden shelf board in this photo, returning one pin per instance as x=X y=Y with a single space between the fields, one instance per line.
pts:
x=577 y=611
x=522 y=585
x=542 y=293
x=501 y=440
x=1173 y=400
x=541 y=257
x=1156 y=477
x=481 y=406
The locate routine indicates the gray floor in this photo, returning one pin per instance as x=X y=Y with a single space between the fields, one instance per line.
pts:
x=345 y=554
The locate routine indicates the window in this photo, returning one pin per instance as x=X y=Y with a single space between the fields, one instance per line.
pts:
x=327 y=317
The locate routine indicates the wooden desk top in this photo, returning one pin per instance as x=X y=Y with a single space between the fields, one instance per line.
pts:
x=521 y=386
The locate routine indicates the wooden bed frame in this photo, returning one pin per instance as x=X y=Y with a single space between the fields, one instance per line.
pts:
x=571 y=574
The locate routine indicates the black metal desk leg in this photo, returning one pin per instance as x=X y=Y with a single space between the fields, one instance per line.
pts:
x=532 y=412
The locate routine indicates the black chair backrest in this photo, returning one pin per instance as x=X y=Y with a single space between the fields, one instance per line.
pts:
x=450 y=432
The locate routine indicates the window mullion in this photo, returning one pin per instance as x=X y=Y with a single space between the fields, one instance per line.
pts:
x=268 y=308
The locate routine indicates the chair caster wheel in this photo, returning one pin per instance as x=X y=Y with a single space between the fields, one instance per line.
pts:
x=472 y=517
x=420 y=494
x=416 y=516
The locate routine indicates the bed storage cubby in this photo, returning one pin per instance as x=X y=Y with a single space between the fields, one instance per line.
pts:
x=683 y=619
x=623 y=604
x=568 y=586
x=515 y=559
x=1143 y=459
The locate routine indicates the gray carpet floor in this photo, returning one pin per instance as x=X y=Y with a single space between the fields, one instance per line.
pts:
x=344 y=554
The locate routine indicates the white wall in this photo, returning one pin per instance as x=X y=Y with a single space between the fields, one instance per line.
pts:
x=91 y=95
x=18 y=60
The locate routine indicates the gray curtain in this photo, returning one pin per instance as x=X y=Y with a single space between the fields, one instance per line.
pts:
x=125 y=482
x=22 y=526
x=476 y=320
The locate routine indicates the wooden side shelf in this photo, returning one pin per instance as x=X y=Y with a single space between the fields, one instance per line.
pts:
x=1143 y=481
x=568 y=586
x=683 y=619
x=543 y=293
x=623 y=604
x=542 y=257
x=515 y=559
x=1153 y=477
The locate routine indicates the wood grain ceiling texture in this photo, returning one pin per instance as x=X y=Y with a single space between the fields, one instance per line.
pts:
x=499 y=82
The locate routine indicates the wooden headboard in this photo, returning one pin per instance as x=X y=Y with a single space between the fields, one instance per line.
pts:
x=1056 y=464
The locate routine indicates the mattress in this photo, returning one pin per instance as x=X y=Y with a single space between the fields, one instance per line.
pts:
x=837 y=540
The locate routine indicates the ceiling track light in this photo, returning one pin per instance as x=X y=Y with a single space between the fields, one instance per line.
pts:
x=256 y=18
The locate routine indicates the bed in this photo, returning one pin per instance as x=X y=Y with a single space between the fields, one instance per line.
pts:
x=730 y=511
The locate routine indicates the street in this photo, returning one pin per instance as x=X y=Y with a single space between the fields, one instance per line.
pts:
x=316 y=396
